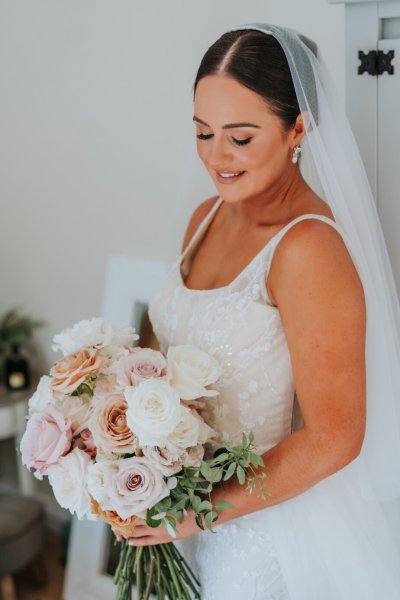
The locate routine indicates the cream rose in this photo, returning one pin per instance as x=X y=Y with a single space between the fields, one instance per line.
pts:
x=69 y=372
x=99 y=480
x=191 y=370
x=136 y=486
x=68 y=480
x=190 y=430
x=154 y=410
x=77 y=409
x=92 y=333
x=42 y=396
x=140 y=364
x=167 y=459
x=109 y=427
x=193 y=456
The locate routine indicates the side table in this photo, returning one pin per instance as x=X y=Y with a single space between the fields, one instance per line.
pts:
x=13 y=411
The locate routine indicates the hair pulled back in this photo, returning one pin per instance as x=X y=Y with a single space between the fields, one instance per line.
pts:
x=257 y=61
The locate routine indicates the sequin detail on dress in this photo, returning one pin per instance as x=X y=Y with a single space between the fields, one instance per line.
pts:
x=239 y=325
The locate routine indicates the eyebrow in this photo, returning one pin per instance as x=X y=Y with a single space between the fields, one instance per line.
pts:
x=228 y=125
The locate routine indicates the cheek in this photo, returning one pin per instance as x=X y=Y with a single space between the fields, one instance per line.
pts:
x=262 y=157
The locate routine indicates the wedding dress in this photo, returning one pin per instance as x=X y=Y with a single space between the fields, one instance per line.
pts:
x=270 y=554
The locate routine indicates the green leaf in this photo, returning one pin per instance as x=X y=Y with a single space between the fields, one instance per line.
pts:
x=196 y=501
x=220 y=505
x=244 y=440
x=220 y=458
x=149 y=517
x=205 y=470
x=172 y=482
x=182 y=503
x=199 y=521
x=210 y=517
x=230 y=471
x=251 y=437
x=205 y=505
x=241 y=475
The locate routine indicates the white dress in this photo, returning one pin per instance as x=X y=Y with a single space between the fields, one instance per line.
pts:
x=268 y=554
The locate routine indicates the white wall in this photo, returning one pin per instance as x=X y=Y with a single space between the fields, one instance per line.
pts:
x=95 y=115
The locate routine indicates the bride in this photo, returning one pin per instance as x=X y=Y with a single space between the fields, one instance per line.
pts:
x=285 y=279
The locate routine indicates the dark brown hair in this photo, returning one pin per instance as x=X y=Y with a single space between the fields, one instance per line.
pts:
x=257 y=61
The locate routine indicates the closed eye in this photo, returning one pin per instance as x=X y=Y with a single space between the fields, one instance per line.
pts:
x=241 y=142
x=203 y=136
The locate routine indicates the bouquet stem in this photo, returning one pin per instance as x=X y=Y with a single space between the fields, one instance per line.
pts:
x=159 y=569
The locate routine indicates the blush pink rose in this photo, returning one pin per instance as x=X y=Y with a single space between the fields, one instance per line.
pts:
x=84 y=441
x=72 y=370
x=108 y=425
x=140 y=364
x=47 y=437
x=135 y=486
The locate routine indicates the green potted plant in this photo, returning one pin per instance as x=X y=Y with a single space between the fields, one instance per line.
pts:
x=15 y=334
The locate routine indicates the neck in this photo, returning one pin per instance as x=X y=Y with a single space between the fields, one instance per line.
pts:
x=274 y=206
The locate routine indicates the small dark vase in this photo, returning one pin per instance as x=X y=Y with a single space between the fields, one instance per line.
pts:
x=16 y=370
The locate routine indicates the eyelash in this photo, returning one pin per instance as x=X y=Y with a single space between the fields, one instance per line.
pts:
x=203 y=136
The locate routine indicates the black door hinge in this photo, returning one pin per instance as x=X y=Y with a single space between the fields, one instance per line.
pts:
x=376 y=62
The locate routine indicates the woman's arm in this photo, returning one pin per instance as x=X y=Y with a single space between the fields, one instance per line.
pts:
x=321 y=302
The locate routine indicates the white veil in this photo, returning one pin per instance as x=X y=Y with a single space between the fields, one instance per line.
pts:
x=340 y=540
x=333 y=151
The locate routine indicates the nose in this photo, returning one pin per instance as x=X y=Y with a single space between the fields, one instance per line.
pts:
x=219 y=153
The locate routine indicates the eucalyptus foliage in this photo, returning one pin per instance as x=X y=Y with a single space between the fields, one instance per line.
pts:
x=161 y=569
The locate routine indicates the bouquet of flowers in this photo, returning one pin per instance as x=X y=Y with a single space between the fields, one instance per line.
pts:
x=116 y=429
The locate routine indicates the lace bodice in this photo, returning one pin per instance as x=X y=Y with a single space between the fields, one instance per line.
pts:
x=240 y=326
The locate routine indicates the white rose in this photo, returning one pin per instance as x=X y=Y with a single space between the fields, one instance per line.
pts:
x=191 y=430
x=77 y=409
x=168 y=460
x=154 y=411
x=135 y=487
x=68 y=480
x=99 y=480
x=42 y=396
x=205 y=431
x=190 y=370
x=93 y=333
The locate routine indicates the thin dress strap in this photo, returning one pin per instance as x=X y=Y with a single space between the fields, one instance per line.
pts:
x=273 y=242
x=199 y=230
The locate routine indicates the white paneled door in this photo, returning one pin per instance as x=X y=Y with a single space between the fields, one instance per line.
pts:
x=388 y=155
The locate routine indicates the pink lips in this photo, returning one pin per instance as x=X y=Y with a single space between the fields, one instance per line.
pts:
x=230 y=179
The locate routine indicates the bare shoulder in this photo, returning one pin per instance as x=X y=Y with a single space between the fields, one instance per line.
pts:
x=320 y=297
x=198 y=215
x=313 y=256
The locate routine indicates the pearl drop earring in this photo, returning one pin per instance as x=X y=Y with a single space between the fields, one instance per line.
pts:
x=296 y=152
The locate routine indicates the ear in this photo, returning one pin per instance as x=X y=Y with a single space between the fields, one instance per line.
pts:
x=299 y=128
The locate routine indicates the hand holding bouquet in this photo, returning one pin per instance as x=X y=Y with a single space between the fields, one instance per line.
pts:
x=115 y=427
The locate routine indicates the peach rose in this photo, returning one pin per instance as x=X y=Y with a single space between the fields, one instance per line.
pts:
x=108 y=425
x=122 y=527
x=72 y=370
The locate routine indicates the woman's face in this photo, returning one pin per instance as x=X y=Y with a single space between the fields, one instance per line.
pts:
x=240 y=141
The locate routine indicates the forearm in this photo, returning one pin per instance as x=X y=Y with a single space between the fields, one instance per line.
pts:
x=292 y=466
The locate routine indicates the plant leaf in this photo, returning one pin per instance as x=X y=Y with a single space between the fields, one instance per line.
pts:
x=241 y=475
x=220 y=505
